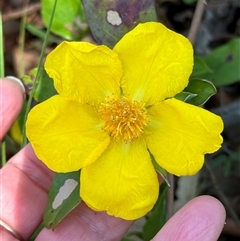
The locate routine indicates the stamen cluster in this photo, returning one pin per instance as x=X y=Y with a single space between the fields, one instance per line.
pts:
x=123 y=118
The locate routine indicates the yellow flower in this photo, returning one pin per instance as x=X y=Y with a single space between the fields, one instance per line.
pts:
x=116 y=106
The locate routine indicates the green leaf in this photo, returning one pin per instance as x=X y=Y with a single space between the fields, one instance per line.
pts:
x=225 y=161
x=41 y=33
x=184 y=96
x=227 y=168
x=157 y=217
x=189 y=1
x=159 y=169
x=1 y=48
x=16 y=131
x=204 y=89
x=69 y=20
x=36 y=232
x=63 y=197
x=200 y=67
x=235 y=156
x=127 y=239
x=224 y=62
x=109 y=20
x=218 y=161
x=45 y=88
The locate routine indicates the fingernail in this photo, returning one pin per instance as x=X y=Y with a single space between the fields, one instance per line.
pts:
x=18 y=81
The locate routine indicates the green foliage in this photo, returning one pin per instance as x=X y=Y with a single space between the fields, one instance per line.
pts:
x=184 y=96
x=197 y=92
x=225 y=161
x=157 y=217
x=203 y=90
x=3 y=144
x=200 y=67
x=127 y=239
x=189 y=1
x=69 y=20
x=37 y=231
x=20 y=122
x=221 y=66
x=38 y=72
x=58 y=206
x=160 y=170
x=34 y=30
x=114 y=18
x=1 y=48
x=44 y=89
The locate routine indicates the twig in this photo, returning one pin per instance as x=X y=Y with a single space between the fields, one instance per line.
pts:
x=196 y=20
x=170 y=196
x=221 y=195
x=19 y=13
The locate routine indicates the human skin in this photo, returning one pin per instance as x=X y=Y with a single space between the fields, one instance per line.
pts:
x=11 y=101
x=25 y=182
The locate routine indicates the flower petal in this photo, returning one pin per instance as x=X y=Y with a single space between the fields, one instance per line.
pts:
x=122 y=181
x=157 y=62
x=181 y=134
x=65 y=135
x=84 y=72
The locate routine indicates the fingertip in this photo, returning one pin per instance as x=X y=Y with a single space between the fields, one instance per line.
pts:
x=213 y=214
x=11 y=86
x=11 y=102
x=211 y=206
x=17 y=81
x=210 y=216
x=200 y=219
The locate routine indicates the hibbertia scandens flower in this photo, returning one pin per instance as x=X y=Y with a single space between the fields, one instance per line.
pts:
x=114 y=107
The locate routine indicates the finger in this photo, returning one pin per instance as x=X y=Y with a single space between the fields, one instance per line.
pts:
x=24 y=185
x=25 y=182
x=201 y=219
x=85 y=224
x=6 y=236
x=11 y=101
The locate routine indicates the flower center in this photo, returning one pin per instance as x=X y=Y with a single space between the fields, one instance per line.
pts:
x=123 y=118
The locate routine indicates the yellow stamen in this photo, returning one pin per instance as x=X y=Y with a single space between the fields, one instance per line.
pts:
x=123 y=118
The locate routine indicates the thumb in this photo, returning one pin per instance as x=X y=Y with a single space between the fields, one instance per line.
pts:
x=200 y=219
x=11 y=101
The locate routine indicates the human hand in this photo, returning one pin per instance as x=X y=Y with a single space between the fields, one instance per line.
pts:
x=25 y=182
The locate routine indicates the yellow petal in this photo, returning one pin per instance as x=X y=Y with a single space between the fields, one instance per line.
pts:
x=180 y=135
x=122 y=181
x=16 y=132
x=84 y=72
x=157 y=62
x=65 y=135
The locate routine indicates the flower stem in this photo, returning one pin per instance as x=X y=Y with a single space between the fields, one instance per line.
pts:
x=3 y=144
x=196 y=20
x=39 y=71
x=170 y=196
